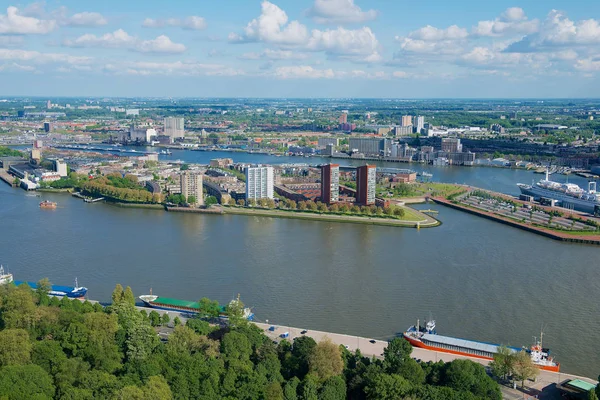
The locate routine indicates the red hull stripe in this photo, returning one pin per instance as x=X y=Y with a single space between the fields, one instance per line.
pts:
x=420 y=344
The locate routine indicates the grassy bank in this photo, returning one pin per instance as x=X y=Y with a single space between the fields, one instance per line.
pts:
x=421 y=220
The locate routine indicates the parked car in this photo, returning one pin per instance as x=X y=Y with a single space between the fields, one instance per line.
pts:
x=303 y=332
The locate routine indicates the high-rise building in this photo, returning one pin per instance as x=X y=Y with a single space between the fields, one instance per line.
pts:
x=330 y=183
x=174 y=127
x=369 y=146
x=191 y=185
x=406 y=120
x=451 y=145
x=48 y=104
x=366 y=176
x=419 y=123
x=259 y=183
x=344 y=118
x=47 y=127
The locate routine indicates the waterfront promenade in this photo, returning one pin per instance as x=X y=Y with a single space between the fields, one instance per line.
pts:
x=544 y=386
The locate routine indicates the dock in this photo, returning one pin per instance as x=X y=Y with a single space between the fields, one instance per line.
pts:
x=6 y=177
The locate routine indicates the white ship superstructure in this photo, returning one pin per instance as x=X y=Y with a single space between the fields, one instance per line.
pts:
x=569 y=195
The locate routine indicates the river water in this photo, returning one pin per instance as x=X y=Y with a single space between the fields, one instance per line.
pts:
x=479 y=279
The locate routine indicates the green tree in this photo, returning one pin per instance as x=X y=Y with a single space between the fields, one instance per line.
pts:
x=42 y=290
x=209 y=308
x=157 y=388
x=184 y=167
x=18 y=310
x=290 y=390
x=387 y=387
x=165 y=319
x=192 y=199
x=502 y=365
x=210 y=200
x=236 y=313
x=310 y=388
x=395 y=354
x=117 y=294
x=592 y=395
x=325 y=360
x=49 y=355
x=199 y=326
x=128 y=296
x=273 y=391
x=176 y=322
x=154 y=318
x=15 y=347
x=141 y=341
x=333 y=388
x=523 y=368
x=25 y=382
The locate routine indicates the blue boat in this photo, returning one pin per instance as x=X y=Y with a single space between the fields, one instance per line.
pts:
x=73 y=292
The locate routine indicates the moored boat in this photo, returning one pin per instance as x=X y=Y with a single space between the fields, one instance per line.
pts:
x=170 y=304
x=73 y=292
x=5 y=277
x=427 y=338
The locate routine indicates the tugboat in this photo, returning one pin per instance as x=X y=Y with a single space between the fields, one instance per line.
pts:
x=427 y=338
x=48 y=205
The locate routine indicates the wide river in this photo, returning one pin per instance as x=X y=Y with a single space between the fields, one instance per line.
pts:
x=479 y=279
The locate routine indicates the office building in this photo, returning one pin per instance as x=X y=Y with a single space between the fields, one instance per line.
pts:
x=403 y=130
x=406 y=120
x=60 y=167
x=47 y=127
x=369 y=146
x=191 y=185
x=344 y=118
x=259 y=183
x=419 y=123
x=174 y=127
x=451 y=145
x=330 y=183
x=132 y=111
x=48 y=104
x=365 y=185
x=324 y=141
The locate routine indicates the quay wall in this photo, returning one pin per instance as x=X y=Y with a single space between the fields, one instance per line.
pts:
x=593 y=240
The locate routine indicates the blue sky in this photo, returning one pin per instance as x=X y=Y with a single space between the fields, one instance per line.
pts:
x=301 y=48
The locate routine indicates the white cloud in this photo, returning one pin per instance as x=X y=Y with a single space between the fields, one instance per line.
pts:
x=433 y=34
x=359 y=45
x=343 y=42
x=15 y=23
x=17 y=67
x=272 y=27
x=339 y=12
x=271 y=54
x=558 y=31
x=86 y=19
x=513 y=21
x=303 y=72
x=42 y=58
x=588 y=65
x=414 y=46
x=121 y=39
x=190 y=23
x=11 y=40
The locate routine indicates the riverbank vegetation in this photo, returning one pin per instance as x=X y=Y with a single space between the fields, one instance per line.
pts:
x=318 y=207
x=116 y=187
x=69 y=349
x=8 y=152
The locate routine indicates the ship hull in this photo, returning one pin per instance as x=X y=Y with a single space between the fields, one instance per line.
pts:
x=565 y=201
x=59 y=291
x=418 y=343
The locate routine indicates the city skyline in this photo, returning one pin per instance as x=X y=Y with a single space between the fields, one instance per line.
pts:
x=311 y=48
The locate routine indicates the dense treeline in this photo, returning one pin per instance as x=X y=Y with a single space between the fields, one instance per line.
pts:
x=120 y=188
x=8 y=152
x=68 y=349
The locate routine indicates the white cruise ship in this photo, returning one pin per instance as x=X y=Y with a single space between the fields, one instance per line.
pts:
x=569 y=195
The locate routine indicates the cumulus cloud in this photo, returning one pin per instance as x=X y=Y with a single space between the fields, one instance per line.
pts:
x=343 y=42
x=558 y=31
x=308 y=72
x=16 y=23
x=272 y=27
x=513 y=21
x=86 y=19
x=430 y=33
x=61 y=17
x=271 y=54
x=121 y=39
x=190 y=23
x=339 y=12
x=588 y=65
